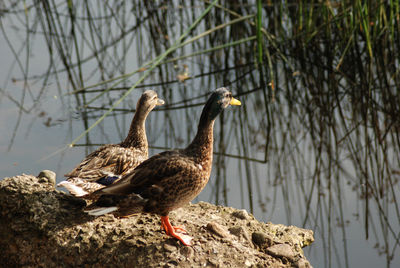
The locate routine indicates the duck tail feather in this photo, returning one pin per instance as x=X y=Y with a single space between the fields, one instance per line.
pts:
x=100 y=210
x=73 y=189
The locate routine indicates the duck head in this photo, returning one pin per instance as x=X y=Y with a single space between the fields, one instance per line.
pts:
x=217 y=102
x=148 y=101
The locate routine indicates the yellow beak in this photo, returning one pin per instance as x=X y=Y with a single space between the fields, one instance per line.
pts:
x=160 y=102
x=235 y=102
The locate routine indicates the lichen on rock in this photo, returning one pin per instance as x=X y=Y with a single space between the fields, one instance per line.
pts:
x=41 y=226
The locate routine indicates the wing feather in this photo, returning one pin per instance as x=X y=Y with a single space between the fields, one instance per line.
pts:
x=157 y=170
x=108 y=160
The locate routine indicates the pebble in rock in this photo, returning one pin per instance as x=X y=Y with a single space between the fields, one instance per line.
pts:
x=47 y=176
x=169 y=247
x=240 y=214
x=282 y=250
x=236 y=230
x=217 y=229
x=188 y=252
x=261 y=239
x=239 y=231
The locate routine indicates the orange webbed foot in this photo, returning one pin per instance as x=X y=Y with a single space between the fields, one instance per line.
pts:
x=180 y=229
x=176 y=231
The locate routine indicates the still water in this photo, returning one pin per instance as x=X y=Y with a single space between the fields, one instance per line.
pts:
x=315 y=143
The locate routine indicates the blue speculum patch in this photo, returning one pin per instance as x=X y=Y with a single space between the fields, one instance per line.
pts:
x=107 y=180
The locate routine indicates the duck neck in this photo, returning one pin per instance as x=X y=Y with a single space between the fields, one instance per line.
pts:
x=202 y=145
x=136 y=137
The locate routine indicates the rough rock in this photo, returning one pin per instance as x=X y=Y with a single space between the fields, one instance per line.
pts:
x=43 y=227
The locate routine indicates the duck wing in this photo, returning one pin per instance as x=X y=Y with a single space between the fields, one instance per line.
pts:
x=155 y=173
x=108 y=160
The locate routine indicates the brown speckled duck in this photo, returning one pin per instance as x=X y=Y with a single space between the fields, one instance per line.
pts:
x=110 y=162
x=168 y=180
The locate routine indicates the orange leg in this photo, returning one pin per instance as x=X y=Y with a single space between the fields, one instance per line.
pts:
x=175 y=231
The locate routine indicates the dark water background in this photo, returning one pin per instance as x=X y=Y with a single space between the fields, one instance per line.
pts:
x=315 y=143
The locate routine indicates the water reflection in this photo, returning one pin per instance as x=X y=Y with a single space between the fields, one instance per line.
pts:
x=315 y=144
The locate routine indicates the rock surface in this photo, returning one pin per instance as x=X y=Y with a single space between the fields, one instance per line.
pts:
x=43 y=227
